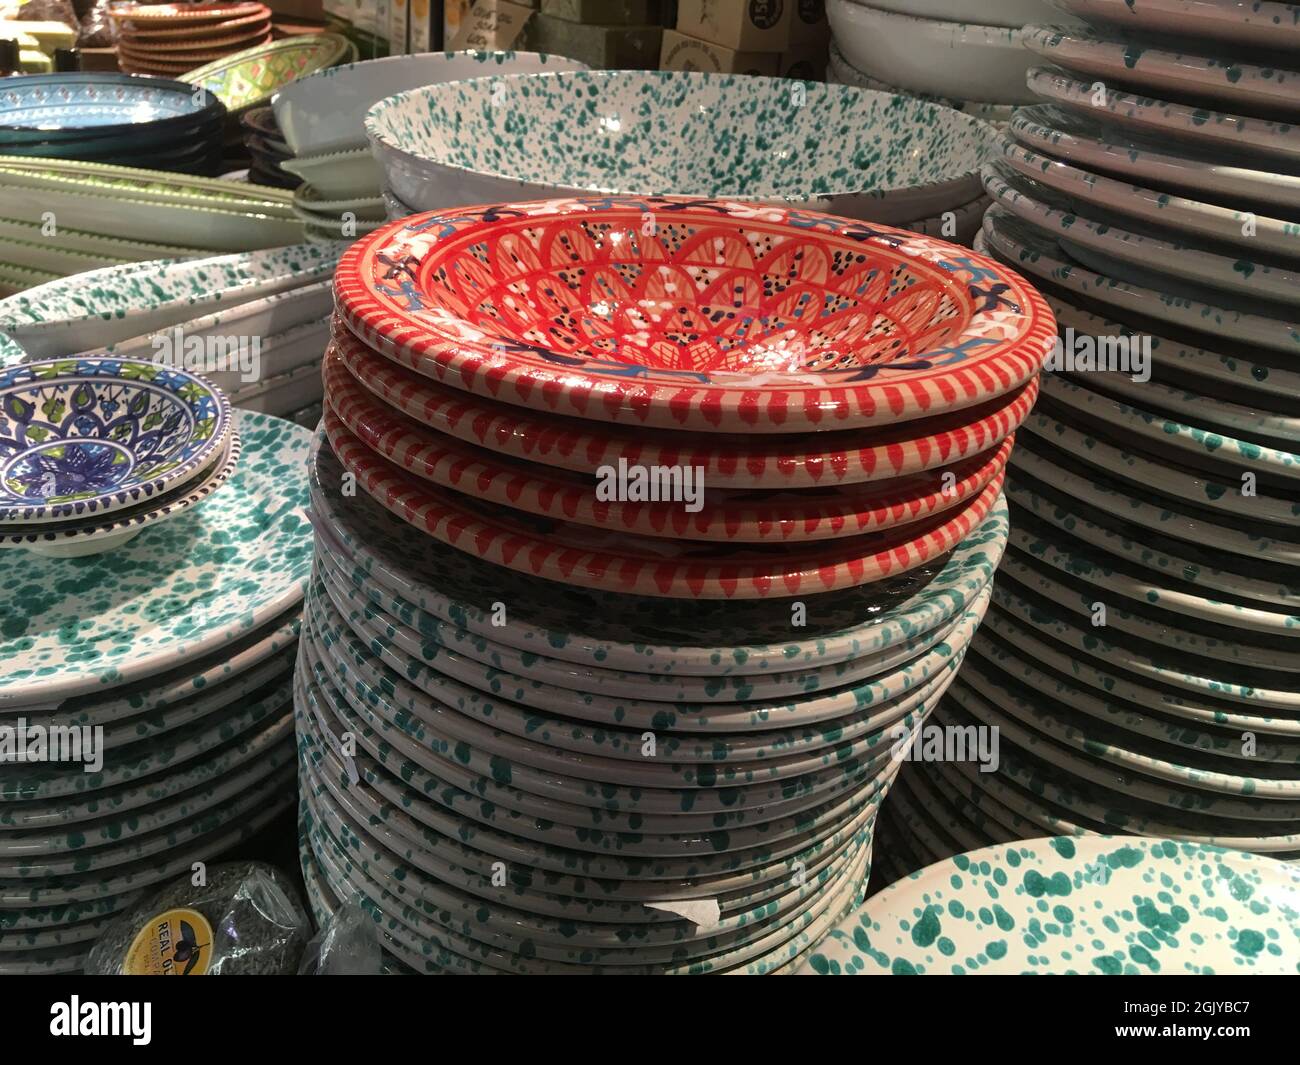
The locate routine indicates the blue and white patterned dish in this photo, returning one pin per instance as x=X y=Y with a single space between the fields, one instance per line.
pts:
x=47 y=107
x=79 y=437
x=75 y=539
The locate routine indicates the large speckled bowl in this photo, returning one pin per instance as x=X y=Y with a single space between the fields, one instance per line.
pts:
x=833 y=148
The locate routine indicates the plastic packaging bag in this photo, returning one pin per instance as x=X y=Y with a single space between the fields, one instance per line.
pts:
x=97 y=29
x=244 y=920
x=346 y=945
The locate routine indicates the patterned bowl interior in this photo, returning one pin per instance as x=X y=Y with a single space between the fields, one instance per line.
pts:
x=88 y=101
x=79 y=429
x=693 y=291
x=688 y=134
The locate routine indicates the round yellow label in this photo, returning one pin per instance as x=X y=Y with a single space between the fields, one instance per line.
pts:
x=175 y=943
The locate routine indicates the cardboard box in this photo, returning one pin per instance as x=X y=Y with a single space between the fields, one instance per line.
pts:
x=607 y=12
x=688 y=53
x=806 y=62
x=742 y=25
x=600 y=47
x=808 y=23
x=492 y=25
x=454 y=12
x=399 y=27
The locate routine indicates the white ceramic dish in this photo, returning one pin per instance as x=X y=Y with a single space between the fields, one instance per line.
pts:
x=1163 y=118
x=89 y=310
x=839 y=69
x=989 y=12
x=325 y=112
x=646 y=133
x=344 y=175
x=311 y=206
x=961 y=60
x=1207 y=73
x=76 y=240
x=283 y=394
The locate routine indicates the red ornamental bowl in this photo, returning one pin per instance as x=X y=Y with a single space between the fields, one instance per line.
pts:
x=694 y=314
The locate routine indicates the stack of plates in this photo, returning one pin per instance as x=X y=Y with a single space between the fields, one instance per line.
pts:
x=1058 y=906
x=169 y=39
x=266 y=149
x=323 y=119
x=111 y=118
x=659 y=742
x=107 y=215
x=253 y=324
x=250 y=77
x=93 y=451
x=932 y=49
x=166 y=669
x=1141 y=658
x=671 y=133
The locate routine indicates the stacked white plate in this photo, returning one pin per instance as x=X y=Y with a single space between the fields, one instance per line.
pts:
x=968 y=56
x=145 y=702
x=1141 y=658
x=254 y=324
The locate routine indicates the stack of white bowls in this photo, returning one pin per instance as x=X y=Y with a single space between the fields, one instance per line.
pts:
x=968 y=56
x=1141 y=659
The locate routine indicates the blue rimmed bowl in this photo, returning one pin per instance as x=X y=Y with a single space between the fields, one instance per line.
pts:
x=80 y=437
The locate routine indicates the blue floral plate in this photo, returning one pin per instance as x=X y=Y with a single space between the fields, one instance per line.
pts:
x=79 y=437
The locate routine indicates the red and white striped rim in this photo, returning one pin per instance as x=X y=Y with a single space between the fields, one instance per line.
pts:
x=617 y=562
x=1006 y=334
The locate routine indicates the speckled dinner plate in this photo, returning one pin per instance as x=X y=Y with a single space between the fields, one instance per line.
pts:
x=1103 y=906
x=175 y=593
x=1260 y=23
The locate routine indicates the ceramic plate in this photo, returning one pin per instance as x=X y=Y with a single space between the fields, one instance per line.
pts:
x=1161 y=252
x=737 y=462
x=1261 y=23
x=93 y=245
x=1212 y=911
x=80 y=437
x=104 y=306
x=919 y=330
x=1020 y=245
x=220 y=23
x=1244 y=229
x=253 y=75
x=154 y=15
x=810 y=514
x=1206 y=75
x=568 y=553
x=344 y=175
x=47 y=106
x=643 y=635
x=57 y=644
x=656 y=133
x=1162 y=118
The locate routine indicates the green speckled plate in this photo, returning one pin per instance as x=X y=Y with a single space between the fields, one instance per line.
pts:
x=1027 y=250
x=1102 y=906
x=1161 y=119
x=248 y=78
x=175 y=593
x=1261 y=23
x=645 y=635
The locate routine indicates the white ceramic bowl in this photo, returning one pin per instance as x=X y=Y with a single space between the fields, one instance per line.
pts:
x=326 y=111
x=647 y=133
x=961 y=60
x=986 y=12
x=347 y=175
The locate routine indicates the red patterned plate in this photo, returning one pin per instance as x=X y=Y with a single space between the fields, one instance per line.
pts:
x=694 y=313
x=618 y=562
x=785 y=461
x=744 y=517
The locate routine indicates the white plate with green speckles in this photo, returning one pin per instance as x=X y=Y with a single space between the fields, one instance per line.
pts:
x=1208 y=72
x=87 y=311
x=1162 y=118
x=1160 y=250
x=636 y=633
x=1025 y=249
x=175 y=593
x=1105 y=905
x=1261 y=23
